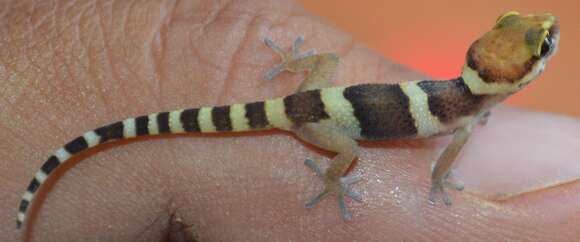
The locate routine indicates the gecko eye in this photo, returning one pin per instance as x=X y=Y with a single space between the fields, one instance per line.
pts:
x=546 y=45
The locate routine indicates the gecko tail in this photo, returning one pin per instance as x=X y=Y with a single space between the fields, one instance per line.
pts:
x=230 y=118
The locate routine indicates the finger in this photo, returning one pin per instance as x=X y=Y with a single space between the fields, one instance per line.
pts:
x=233 y=182
x=533 y=154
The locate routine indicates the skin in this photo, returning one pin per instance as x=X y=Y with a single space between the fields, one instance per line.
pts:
x=64 y=74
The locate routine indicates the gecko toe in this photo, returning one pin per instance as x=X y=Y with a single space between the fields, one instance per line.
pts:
x=343 y=210
x=272 y=45
x=313 y=166
x=297 y=43
x=345 y=183
x=347 y=180
x=344 y=213
x=354 y=195
x=433 y=194
x=455 y=185
x=317 y=199
x=274 y=72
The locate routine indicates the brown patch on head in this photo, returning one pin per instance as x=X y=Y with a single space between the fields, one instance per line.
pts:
x=508 y=52
x=501 y=56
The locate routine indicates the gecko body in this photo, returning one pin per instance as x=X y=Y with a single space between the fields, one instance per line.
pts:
x=497 y=65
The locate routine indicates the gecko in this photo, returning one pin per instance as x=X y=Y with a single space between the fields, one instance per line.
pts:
x=500 y=63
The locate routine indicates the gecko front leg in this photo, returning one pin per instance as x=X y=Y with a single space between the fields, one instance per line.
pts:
x=442 y=169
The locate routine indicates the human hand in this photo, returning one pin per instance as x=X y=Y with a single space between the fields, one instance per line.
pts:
x=71 y=66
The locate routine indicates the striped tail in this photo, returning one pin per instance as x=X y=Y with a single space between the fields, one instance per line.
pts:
x=231 y=118
x=282 y=113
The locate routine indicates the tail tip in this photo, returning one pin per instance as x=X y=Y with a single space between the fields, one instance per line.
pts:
x=18 y=224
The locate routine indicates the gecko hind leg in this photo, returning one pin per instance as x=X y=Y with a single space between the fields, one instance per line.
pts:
x=345 y=190
x=329 y=138
x=321 y=67
x=287 y=56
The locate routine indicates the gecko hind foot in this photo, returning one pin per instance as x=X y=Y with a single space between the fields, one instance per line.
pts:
x=341 y=187
x=287 y=56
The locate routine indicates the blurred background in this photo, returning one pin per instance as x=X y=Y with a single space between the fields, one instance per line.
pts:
x=433 y=36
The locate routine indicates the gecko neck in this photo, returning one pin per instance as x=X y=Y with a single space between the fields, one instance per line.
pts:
x=478 y=86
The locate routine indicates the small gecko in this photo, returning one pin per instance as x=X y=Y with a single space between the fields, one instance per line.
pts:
x=498 y=64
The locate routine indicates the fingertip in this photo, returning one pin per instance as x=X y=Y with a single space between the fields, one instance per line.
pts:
x=519 y=152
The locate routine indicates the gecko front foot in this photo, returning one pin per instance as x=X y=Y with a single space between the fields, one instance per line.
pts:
x=438 y=186
x=340 y=186
x=288 y=57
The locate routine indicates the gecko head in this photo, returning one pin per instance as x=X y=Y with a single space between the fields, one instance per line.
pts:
x=511 y=54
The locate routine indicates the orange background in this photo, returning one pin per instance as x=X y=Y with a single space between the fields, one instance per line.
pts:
x=432 y=37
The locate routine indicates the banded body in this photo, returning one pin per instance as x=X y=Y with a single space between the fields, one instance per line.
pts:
x=366 y=112
x=498 y=64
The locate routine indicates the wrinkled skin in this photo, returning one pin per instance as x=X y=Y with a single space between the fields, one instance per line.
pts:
x=70 y=66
